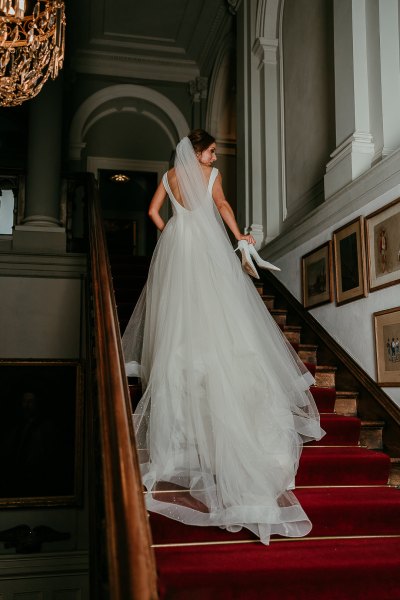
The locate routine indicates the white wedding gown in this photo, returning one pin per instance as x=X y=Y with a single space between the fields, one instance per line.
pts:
x=225 y=406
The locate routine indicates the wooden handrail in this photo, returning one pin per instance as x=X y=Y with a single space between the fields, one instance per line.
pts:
x=131 y=563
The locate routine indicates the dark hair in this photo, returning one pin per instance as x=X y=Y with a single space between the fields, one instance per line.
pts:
x=200 y=139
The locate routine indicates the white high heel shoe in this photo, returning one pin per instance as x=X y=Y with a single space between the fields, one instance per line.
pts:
x=248 y=251
x=264 y=264
x=247 y=263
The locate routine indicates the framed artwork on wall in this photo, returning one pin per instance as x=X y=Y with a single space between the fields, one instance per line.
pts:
x=41 y=430
x=383 y=246
x=316 y=276
x=387 y=346
x=349 y=260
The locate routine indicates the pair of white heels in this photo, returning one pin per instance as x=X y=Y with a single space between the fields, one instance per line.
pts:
x=248 y=252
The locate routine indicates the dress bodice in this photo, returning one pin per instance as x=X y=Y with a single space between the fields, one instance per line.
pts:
x=176 y=206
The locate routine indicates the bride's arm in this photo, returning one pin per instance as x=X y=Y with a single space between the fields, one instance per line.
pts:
x=226 y=211
x=155 y=206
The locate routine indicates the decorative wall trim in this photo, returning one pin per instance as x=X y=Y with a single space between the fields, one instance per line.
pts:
x=70 y=266
x=44 y=564
x=266 y=51
x=138 y=67
x=382 y=178
x=179 y=125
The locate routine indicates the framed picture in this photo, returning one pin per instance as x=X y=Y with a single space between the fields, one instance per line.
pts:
x=349 y=259
x=316 y=275
x=383 y=246
x=41 y=428
x=387 y=336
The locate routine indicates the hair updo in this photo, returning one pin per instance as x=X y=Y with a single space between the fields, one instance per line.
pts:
x=200 y=140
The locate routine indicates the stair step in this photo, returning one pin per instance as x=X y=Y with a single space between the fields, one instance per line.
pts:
x=269 y=301
x=308 y=353
x=292 y=333
x=330 y=569
x=332 y=511
x=325 y=376
x=135 y=392
x=280 y=315
x=339 y=430
x=324 y=398
x=342 y=466
x=346 y=403
x=371 y=435
x=394 y=477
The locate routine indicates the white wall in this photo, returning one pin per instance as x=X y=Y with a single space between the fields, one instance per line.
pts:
x=350 y=324
x=39 y=317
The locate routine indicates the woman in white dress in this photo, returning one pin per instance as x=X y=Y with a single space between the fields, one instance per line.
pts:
x=226 y=405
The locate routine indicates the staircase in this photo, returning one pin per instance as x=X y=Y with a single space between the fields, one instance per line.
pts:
x=346 y=483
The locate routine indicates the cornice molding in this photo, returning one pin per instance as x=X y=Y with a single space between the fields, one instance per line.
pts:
x=95 y=62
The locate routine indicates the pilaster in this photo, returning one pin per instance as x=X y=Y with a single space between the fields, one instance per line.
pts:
x=390 y=73
x=355 y=148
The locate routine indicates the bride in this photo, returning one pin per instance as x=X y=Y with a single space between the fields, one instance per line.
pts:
x=226 y=405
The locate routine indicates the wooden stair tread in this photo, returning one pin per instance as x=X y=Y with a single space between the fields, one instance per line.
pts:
x=307 y=347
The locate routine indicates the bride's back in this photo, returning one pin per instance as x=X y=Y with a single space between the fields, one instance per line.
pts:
x=173 y=182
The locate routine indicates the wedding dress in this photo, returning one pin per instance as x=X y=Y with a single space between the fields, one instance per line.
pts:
x=226 y=405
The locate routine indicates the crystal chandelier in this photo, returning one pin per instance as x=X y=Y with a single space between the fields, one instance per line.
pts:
x=31 y=47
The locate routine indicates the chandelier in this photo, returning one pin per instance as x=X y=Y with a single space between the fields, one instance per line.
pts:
x=31 y=47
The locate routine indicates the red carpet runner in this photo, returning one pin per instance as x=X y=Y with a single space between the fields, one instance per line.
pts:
x=353 y=551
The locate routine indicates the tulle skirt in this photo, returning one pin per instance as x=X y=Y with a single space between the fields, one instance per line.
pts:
x=226 y=405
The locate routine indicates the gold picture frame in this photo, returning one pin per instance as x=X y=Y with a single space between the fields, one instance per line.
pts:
x=316 y=276
x=349 y=261
x=383 y=246
x=387 y=346
x=41 y=433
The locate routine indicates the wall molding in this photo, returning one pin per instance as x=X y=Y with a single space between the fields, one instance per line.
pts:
x=43 y=564
x=112 y=93
x=69 y=266
x=383 y=178
x=117 y=64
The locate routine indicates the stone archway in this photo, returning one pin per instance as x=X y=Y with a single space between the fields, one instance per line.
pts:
x=84 y=119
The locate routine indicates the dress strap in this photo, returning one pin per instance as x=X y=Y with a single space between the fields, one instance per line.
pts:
x=213 y=177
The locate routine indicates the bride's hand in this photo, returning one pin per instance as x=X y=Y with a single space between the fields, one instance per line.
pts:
x=249 y=239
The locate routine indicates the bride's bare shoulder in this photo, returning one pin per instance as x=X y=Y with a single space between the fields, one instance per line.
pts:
x=171 y=175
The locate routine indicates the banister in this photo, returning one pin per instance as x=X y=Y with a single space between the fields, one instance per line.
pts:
x=130 y=558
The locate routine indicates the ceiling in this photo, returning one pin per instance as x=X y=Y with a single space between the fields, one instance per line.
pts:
x=174 y=40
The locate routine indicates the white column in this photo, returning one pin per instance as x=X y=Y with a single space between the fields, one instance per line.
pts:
x=41 y=229
x=250 y=167
x=266 y=52
x=390 y=73
x=355 y=148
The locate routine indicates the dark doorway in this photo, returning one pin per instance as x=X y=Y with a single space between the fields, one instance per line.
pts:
x=125 y=197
